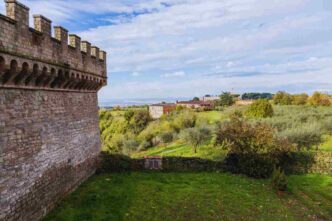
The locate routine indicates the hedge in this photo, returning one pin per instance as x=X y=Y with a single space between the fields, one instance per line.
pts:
x=307 y=162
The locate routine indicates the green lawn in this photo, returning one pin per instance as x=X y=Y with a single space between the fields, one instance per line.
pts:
x=211 y=116
x=195 y=196
x=183 y=150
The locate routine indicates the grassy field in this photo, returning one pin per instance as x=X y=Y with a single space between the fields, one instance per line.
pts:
x=183 y=150
x=211 y=116
x=195 y=196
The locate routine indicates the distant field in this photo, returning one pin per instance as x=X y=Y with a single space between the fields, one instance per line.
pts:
x=195 y=197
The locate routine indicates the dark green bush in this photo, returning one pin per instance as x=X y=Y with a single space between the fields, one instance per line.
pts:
x=298 y=162
x=252 y=165
x=128 y=115
x=226 y=99
x=139 y=121
x=279 y=180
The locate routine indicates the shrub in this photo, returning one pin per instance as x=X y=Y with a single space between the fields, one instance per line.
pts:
x=253 y=149
x=166 y=137
x=327 y=125
x=238 y=136
x=256 y=96
x=179 y=108
x=145 y=145
x=282 y=98
x=226 y=99
x=105 y=115
x=129 y=146
x=253 y=165
x=116 y=143
x=236 y=114
x=279 y=180
x=182 y=120
x=300 y=99
x=304 y=136
x=196 y=136
x=128 y=115
x=260 y=109
x=219 y=108
x=319 y=99
x=139 y=121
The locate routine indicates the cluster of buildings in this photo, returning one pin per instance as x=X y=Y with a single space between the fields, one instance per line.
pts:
x=206 y=103
x=158 y=110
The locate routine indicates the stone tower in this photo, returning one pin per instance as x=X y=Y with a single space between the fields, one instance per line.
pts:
x=49 y=136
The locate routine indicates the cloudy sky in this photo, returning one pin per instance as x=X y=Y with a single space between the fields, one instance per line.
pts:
x=186 y=48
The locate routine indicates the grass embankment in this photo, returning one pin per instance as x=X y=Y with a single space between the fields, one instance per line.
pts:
x=205 y=151
x=200 y=196
x=183 y=150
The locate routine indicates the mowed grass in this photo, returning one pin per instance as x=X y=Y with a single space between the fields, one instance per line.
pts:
x=214 y=116
x=195 y=196
x=211 y=116
x=183 y=150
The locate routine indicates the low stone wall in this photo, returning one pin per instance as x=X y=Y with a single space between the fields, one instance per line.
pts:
x=192 y=164
x=293 y=163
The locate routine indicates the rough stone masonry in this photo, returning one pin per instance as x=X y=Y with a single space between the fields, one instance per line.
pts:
x=49 y=136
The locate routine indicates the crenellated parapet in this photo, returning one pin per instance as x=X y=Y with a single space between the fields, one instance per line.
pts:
x=32 y=58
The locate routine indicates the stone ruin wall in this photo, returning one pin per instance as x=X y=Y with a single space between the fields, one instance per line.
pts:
x=49 y=136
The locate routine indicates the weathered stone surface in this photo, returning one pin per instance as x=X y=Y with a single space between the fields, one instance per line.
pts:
x=49 y=136
x=49 y=143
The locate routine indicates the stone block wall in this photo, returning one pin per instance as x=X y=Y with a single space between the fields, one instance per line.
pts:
x=49 y=144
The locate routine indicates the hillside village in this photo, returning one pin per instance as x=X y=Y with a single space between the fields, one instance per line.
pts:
x=205 y=103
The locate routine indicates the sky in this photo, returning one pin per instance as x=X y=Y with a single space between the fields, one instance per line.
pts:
x=187 y=48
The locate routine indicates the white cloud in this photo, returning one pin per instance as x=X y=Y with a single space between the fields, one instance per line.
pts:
x=240 y=44
x=174 y=74
x=135 y=74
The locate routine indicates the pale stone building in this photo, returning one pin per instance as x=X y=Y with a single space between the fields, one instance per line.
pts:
x=158 y=110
